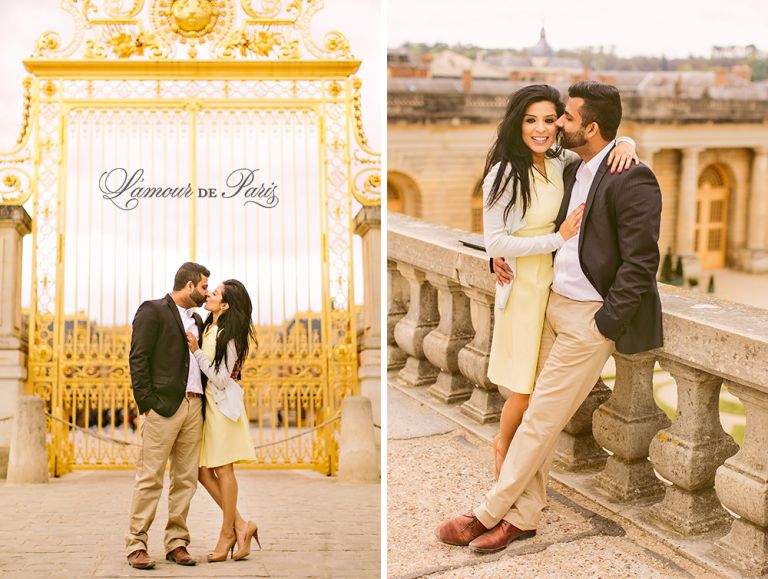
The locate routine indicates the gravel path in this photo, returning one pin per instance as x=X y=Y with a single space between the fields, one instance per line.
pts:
x=435 y=472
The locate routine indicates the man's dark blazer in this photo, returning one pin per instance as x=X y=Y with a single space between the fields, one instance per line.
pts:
x=619 y=252
x=159 y=357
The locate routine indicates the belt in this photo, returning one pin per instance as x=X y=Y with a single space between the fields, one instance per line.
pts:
x=193 y=395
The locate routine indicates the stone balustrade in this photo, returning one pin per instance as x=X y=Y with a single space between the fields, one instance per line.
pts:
x=432 y=101
x=687 y=479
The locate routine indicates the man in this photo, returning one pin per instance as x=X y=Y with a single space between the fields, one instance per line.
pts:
x=604 y=298
x=168 y=390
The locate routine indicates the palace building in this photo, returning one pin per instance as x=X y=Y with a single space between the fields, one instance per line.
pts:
x=705 y=135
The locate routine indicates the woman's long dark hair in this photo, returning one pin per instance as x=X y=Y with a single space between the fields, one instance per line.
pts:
x=509 y=148
x=234 y=323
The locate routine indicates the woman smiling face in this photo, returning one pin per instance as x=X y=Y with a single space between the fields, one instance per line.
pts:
x=539 y=129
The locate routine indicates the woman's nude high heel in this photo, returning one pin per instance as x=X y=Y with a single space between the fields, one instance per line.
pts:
x=252 y=532
x=217 y=558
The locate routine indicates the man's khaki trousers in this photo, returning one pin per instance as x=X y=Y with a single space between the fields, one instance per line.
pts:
x=573 y=353
x=177 y=438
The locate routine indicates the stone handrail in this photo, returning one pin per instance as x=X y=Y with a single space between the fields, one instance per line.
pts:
x=440 y=320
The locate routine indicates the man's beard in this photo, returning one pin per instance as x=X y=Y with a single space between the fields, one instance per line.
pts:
x=572 y=140
x=197 y=297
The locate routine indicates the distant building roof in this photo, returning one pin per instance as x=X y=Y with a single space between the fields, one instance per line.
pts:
x=450 y=64
x=697 y=84
x=542 y=47
x=450 y=85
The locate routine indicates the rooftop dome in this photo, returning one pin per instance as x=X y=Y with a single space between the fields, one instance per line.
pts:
x=542 y=47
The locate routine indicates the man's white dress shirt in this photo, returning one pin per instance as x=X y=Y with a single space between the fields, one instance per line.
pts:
x=194 y=383
x=569 y=279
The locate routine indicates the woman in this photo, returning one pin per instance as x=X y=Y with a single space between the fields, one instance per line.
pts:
x=523 y=190
x=226 y=437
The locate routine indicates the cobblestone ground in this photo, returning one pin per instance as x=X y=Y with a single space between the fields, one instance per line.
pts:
x=437 y=470
x=309 y=526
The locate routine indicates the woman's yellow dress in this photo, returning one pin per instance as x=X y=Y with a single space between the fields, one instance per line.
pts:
x=518 y=327
x=224 y=441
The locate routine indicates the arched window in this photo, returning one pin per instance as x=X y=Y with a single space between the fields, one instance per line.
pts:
x=711 y=217
x=394 y=198
x=403 y=194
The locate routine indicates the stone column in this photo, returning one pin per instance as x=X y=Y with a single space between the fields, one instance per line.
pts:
x=368 y=227
x=442 y=345
x=576 y=448
x=646 y=155
x=397 y=307
x=625 y=426
x=410 y=331
x=15 y=223
x=742 y=487
x=758 y=199
x=686 y=211
x=756 y=259
x=688 y=453
x=485 y=402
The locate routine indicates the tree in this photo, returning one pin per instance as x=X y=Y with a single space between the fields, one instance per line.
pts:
x=679 y=279
x=666 y=268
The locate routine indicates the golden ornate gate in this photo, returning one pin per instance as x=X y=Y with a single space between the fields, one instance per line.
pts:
x=205 y=130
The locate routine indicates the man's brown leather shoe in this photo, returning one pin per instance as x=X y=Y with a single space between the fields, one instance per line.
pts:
x=181 y=556
x=498 y=538
x=460 y=530
x=139 y=559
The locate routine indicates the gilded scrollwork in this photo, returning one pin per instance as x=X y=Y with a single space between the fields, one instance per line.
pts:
x=274 y=29
x=268 y=9
x=49 y=44
x=114 y=8
x=15 y=186
x=366 y=180
x=261 y=44
x=335 y=44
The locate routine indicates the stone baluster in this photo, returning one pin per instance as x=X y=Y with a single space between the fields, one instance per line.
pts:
x=484 y=405
x=625 y=426
x=397 y=307
x=742 y=487
x=442 y=345
x=410 y=331
x=576 y=448
x=689 y=452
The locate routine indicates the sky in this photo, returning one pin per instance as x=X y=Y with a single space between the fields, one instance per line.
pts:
x=651 y=27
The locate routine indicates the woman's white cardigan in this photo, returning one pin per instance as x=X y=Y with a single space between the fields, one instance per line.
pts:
x=227 y=393
x=498 y=234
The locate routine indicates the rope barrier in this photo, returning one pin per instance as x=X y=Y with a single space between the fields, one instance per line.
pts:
x=89 y=433
x=106 y=438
